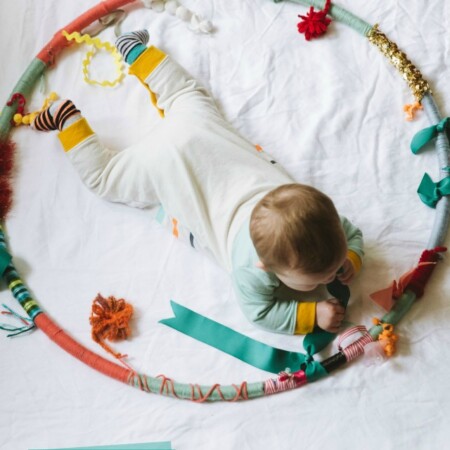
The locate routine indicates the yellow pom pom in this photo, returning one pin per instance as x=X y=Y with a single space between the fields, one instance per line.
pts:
x=26 y=120
x=17 y=119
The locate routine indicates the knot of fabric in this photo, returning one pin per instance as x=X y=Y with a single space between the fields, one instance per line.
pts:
x=424 y=136
x=430 y=192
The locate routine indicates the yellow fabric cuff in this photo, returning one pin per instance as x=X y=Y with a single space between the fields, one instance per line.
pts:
x=74 y=134
x=306 y=317
x=147 y=62
x=355 y=259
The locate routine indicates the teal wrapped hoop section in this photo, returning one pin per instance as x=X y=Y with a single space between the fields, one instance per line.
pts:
x=339 y=14
x=162 y=384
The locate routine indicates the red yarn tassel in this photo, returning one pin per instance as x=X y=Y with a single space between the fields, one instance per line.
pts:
x=7 y=149
x=315 y=23
x=423 y=271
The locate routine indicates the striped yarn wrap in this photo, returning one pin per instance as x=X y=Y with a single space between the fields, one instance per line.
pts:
x=356 y=348
x=163 y=385
x=293 y=381
x=17 y=287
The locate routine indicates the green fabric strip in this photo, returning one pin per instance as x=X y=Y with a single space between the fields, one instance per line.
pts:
x=246 y=349
x=339 y=14
x=253 y=352
x=230 y=341
x=5 y=259
x=317 y=341
x=24 y=86
x=430 y=192
x=426 y=135
x=144 y=446
x=18 y=289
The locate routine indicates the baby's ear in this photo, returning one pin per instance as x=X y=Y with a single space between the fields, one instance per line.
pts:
x=261 y=266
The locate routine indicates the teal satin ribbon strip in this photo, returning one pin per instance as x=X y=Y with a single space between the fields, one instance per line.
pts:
x=230 y=341
x=253 y=352
x=430 y=192
x=143 y=446
x=319 y=339
x=5 y=259
x=424 y=136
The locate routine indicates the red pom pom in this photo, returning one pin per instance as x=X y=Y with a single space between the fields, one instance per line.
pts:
x=315 y=23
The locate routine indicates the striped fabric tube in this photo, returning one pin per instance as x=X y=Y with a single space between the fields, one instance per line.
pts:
x=339 y=14
x=291 y=381
x=18 y=289
x=356 y=348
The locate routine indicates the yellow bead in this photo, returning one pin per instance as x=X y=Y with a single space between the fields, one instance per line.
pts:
x=17 y=118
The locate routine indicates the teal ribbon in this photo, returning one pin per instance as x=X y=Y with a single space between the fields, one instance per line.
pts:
x=430 y=192
x=5 y=259
x=319 y=339
x=424 y=136
x=249 y=350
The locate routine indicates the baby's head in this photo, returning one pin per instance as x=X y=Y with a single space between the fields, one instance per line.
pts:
x=298 y=235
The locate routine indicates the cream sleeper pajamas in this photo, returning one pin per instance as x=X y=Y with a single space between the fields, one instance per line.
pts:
x=195 y=165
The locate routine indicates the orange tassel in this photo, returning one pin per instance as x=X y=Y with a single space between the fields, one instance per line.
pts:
x=410 y=110
x=110 y=319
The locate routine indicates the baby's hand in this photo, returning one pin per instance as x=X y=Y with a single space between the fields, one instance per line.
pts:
x=346 y=272
x=329 y=315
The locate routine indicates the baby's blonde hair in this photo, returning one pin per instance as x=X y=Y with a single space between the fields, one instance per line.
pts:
x=297 y=227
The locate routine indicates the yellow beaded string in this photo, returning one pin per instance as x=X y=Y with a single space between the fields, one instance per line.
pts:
x=27 y=119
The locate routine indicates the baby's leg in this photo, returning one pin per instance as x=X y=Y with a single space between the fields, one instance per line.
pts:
x=172 y=89
x=109 y=174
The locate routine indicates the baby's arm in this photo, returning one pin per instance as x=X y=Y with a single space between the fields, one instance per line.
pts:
x=256 y=295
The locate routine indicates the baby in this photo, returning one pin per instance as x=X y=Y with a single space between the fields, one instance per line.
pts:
x=266 y=230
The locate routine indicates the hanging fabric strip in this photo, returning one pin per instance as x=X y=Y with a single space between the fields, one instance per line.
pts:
x=252 y=352
x=246 y=349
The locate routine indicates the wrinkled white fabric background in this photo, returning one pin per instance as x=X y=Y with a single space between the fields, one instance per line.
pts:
x=331 y=112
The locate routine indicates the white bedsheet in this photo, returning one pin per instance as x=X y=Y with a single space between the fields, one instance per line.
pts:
x=331 y=112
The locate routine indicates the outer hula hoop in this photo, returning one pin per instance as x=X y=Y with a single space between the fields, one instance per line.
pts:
x=162 y=384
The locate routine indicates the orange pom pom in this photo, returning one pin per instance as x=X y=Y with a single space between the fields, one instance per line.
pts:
x=110 y=319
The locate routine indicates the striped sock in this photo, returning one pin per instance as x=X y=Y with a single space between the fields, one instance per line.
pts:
x=131 y=45
x=56 y=116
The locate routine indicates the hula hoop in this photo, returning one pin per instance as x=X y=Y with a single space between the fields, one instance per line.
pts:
x=242 y=391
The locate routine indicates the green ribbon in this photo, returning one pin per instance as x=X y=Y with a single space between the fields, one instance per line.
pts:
x=249 y=350
x=319 y=339
x=5 y=259
x=424 y=136
x=430 y=192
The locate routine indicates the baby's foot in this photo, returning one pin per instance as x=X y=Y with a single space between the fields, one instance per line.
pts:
x=56 y=116
x=131 y=45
